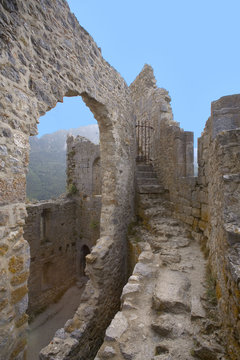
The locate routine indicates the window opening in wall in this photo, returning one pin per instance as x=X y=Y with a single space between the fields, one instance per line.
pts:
x=46 y=178
x=43 y=225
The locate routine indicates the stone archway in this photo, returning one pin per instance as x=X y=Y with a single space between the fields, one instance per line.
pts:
x=45 y=56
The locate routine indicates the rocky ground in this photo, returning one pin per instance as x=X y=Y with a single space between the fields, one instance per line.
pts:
x=168 y=305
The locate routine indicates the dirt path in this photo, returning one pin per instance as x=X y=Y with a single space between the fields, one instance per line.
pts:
x=44 y=326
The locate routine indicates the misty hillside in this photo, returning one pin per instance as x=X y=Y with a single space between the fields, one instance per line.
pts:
x=47 y=166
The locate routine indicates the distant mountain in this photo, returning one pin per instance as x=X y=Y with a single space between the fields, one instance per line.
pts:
x=47 y=164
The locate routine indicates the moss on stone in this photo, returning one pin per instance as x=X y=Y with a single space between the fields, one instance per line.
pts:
x=3 y=249
x=19 y=279
x=15 y=264
x=18 y=294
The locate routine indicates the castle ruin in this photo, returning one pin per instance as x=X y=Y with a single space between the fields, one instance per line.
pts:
x=154 y=220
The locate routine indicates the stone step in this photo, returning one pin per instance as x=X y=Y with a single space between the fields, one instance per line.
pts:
x=146 y=174
x=148 y=181
x=171 y=293
x=171 y=325
x=151 y=189
x=144 y=167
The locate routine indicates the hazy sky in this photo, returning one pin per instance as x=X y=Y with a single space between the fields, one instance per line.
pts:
x=193 y=46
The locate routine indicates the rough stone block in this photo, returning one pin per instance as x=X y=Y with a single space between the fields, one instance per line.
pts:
x=196 y=212
x=202 y=225
x=197 y=310
x=117 y=327
x=18 y=294
x=16 y=264
x=204 y=213
x=172 y=293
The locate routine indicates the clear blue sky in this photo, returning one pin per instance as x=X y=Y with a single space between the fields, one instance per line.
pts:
x=193 y=46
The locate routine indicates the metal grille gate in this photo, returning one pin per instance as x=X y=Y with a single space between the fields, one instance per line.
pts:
x=144 y=134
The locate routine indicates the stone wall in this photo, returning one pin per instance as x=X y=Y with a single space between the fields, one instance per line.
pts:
x=219 y=167
x=83 y=167
x=46 y=55
x=207 y=204
x=171 y=150
x=51 y=233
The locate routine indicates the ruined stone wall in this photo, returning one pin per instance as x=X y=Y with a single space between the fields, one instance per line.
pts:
x=83 y=181
x=51 y=233
x=171 y=147
x=82 y=161
x=46 y=55
x=151 y=104
x=209 y=203
x=219 y=173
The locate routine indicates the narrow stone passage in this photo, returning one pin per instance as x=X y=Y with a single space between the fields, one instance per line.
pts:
x=44 y=326
x=166 y=313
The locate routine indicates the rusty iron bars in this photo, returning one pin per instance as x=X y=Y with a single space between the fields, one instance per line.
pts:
x=144 y=134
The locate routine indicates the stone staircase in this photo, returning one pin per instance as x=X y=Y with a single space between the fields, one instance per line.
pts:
x=147 y=181
x=165 y=312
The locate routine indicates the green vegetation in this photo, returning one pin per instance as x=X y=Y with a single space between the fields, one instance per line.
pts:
x=211 y=287
x=72 y=189
x=94 y=224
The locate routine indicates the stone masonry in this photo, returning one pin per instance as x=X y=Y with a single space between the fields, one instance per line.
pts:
x=60 y=231
x=51 y=234
x=166 y=313
x=206 y=204
x=45 y=55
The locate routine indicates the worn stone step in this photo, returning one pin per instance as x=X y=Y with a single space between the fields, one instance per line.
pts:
x=144 y=168
x=146 y=174
x=197 y=310
x=151 y=189
x=171 y=293
x=149 y=201
x=147 y=181
x=172 y=325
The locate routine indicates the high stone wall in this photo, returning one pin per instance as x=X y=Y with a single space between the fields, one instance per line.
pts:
x=219 y=170
x=59 y=230
x=207 y=204
x=50 y=230
x=82 y=159
x=46 y=55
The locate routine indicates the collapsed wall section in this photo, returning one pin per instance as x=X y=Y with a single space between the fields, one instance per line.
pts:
x=46 y=55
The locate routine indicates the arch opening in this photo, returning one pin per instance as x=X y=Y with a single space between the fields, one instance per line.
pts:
x=63 y=222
